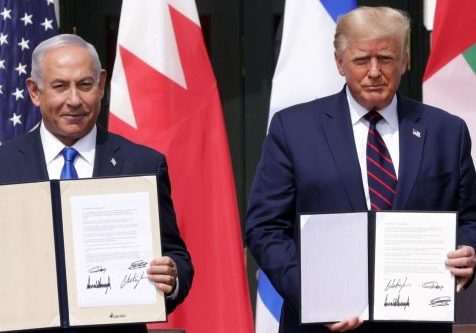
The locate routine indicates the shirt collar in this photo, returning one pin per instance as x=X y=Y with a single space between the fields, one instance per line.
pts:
x=86 y=146
x=357 y=111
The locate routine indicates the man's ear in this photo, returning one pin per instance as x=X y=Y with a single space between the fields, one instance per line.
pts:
x=339 y=62
x=405 y=63
x=102 y=82
x=34 y=91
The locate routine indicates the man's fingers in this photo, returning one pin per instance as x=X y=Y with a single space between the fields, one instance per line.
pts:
x=345 y=325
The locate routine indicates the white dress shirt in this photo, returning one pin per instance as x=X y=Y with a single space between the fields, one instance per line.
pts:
x=84 y=161
x=387 y=127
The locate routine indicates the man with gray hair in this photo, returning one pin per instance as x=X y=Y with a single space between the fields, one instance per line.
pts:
x=67 y=84
x=320 y=157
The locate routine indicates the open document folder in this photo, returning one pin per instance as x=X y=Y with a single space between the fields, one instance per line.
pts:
x=75 y=253
x=378 y=266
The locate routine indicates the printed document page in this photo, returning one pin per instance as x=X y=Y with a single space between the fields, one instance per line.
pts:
x=411 y=279
x=111 y=232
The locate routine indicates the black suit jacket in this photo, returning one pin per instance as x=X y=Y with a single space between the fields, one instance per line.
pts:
x=23 y=160
x=309 y=163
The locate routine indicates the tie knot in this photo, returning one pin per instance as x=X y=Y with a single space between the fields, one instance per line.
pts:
x=373 y=117
x=69 y=154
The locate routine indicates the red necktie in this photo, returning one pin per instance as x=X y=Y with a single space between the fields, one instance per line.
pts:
x=380 y=170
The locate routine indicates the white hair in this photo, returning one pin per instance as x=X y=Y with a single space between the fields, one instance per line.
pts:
x=55 y=43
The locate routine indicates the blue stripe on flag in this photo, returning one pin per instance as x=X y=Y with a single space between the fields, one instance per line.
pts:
x=270 y=297
x=339 y=7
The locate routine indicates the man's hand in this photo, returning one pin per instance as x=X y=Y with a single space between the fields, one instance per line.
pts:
x=163 y=274
x=461 y=264
x=345 y=325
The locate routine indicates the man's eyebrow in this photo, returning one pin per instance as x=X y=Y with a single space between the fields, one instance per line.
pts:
x=86 y=78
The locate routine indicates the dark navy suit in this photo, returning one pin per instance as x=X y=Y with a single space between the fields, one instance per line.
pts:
x=309 y=163
x=23 y=160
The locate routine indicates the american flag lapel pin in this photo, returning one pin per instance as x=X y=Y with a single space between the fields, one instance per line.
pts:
x=416 y=133
x=113 y=161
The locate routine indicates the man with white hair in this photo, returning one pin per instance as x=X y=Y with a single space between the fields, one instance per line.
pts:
x=366 y=147
x=67 y=84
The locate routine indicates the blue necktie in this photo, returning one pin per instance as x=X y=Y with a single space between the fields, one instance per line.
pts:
x=68 y=171
x=380 y=171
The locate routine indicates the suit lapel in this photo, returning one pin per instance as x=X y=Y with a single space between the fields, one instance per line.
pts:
x=31 y=163
x=108 y=160
x=340 y=138
x=412 y=138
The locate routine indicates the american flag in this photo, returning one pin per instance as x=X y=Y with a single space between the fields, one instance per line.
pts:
x=23 y=25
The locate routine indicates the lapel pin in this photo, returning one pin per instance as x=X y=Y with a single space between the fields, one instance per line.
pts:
x=416 y=133
x=113 y=161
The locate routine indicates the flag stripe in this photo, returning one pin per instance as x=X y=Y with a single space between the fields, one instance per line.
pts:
x=268 y=295
x=337 y=8
x=470 y=56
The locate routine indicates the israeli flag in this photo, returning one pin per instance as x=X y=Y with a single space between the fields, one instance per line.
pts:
x=268 y=306
x=306 y=69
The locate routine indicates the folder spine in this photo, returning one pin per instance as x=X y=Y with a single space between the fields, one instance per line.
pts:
x=60 y=253
x=371 y=260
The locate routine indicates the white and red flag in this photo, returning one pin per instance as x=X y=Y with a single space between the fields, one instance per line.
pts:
x=164 y=95
x=450 y=76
